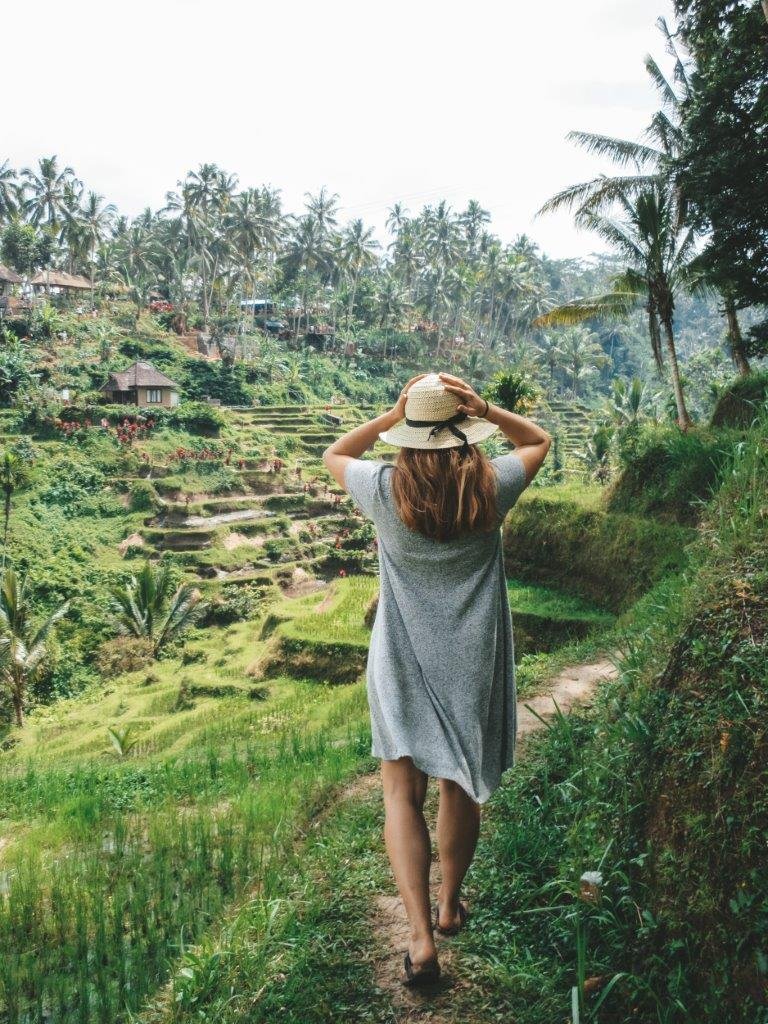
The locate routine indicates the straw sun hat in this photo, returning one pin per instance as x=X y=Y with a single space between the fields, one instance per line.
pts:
x=432 y=419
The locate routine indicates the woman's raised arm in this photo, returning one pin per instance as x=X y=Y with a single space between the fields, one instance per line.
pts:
x=358 y=440
x=530 y=441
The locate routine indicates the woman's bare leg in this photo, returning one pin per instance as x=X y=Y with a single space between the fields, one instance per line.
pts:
x=409 y=849
x=458 y=827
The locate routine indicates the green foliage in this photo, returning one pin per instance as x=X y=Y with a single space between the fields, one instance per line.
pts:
x=147 y=607
x=607 y=558
x=22 y=644
x=25 y=247
x=513 y=391
x=197 y=418
x=143 y=496
x=71 y=482
x=46 y=322
x=122 y=739
x=742 y=402
x=725 y=141
x=15 y=369
x=122 y=654
x=667 y=473
x=235 y=603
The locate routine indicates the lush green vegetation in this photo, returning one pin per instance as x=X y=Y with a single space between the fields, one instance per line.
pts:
x=607 y=558
x=186 y=595
x=661 y=788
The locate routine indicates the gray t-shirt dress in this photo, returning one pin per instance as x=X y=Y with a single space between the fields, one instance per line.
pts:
x=441 y=671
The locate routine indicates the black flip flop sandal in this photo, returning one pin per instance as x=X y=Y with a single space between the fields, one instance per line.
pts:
x=426 y=976
x=463 y=915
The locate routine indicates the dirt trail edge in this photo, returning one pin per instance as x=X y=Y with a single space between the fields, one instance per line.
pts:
x=572 y=686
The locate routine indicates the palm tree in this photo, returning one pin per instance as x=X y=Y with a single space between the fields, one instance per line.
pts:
x=97 y=220
x=397 y=217
x=47 y=188
x=145 y=606
x=323 y=207
x=22 y=648
x=10 y=192
x=472 y=221
x=308 y=256
x=358 y=253
x=550 y=354
x=580 y=356
x=202 y=205
x=659 y=257
x=625 y=403
x=652 y=162
x=13 y=474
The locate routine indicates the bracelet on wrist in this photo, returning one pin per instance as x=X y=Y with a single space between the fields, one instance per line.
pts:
x=487 y=407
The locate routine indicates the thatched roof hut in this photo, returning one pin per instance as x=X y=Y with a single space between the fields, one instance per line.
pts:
x=9 y=276
x=60 y=279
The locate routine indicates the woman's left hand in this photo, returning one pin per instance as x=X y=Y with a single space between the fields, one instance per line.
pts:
x=398 y=409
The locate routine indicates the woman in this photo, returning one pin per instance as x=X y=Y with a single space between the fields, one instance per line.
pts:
x=440 y=672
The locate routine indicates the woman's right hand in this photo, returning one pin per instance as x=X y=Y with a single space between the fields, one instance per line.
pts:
x=471 y=403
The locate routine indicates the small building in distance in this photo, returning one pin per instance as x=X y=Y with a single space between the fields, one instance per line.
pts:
x=59 y=282
x=141 y=384
x=8 y=280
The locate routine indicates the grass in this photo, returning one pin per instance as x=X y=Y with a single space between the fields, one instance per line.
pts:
x=606 y=558
x=148 y=854
x=297 y=951
x=530 y=599
x=172 y=881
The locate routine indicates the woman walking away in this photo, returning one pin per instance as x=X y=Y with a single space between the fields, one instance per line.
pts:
x=441 y=672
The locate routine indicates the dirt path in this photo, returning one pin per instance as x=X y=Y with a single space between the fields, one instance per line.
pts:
x=574 y=685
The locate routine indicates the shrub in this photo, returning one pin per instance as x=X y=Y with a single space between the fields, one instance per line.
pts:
x=143 y=496
x=667 y=473
x=609 y=559
x=197 y=418
x=124 y=654
x=741 y=401
x=513 y=391
x=235 y=603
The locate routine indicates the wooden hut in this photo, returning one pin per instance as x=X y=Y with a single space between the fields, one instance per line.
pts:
x=141 y=384
x=8 y=281
x=59 y=282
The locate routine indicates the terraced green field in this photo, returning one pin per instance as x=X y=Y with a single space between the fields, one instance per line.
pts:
x=136 y=813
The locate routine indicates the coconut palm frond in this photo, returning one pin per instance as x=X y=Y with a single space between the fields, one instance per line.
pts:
x=667 y=134
x=574 y=195
x=613 y=232
x=36 y=650
x=185 y=608
x=668 y=94
x=614 y=303
x=621 y=151
x=130 y=619
x=679 y=71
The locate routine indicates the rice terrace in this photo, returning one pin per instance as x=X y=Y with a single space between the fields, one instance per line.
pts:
x=191 y=815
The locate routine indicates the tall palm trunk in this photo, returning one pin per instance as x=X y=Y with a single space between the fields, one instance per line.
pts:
x=351 y=303
x=683 y=419
x=7 y=516
x=655 y=335
x=735 y=338
x=17 y=698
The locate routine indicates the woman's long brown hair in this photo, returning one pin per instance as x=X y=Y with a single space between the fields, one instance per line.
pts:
x=443 y=495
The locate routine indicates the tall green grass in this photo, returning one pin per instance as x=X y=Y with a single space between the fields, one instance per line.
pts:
x=661 y=789
x=153 y=857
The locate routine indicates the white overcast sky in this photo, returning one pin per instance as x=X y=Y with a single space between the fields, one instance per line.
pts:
x=410 y=100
